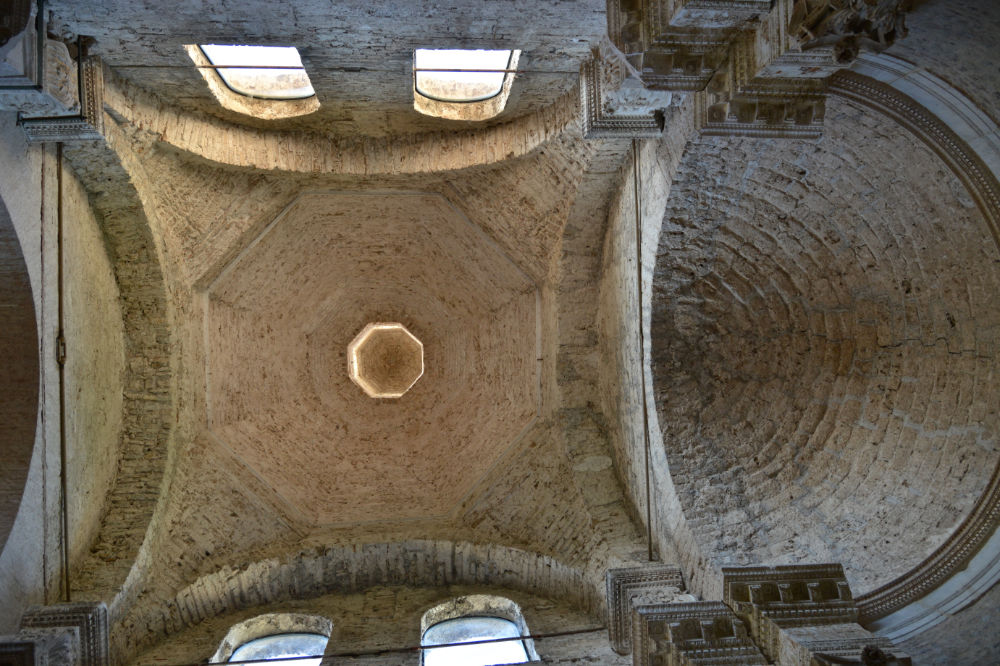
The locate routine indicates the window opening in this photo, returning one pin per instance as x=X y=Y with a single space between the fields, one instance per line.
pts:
x=267 y=72
x=456 y=75
x=283 y=646
x=469 y=629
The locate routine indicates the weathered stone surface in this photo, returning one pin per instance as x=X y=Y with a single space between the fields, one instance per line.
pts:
x=298 y=422
x=755 y=368
x=820 y=345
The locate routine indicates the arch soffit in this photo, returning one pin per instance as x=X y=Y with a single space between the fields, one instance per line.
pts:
x=140 y=484
x=304 y=152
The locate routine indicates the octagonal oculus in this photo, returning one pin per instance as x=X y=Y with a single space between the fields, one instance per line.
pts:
x=385 y=360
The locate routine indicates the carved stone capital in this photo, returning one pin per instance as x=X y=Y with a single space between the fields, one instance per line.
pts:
x=636 y=586
x=88 y=619
x=38 y=76
x=836 y=644
x=759 y=68
x=614 y=101
x=700 y=632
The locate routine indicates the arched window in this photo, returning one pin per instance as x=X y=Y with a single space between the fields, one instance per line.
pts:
x=284 y=646
x=268 y=82
x=266 y=72
x=276 y=636
x=477 y=630
x=462 y=84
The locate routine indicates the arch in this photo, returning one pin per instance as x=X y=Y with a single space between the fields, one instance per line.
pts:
x=968 y=142
x=117 y=560
x=309 y=152
x=314 y=572
x=270 y=624
x=267 y=109
x=441 y=100
x=477 y=606
x=903 y=94
x=19 y=374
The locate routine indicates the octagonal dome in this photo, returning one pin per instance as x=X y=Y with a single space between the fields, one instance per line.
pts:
x=385 y=360
x=282 y=316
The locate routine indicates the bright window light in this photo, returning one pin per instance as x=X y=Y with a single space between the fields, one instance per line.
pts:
x=434 y=80
x=238 y=67
x=281 y=646
x=468 y=629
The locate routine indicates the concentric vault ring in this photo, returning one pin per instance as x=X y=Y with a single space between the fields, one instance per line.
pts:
x=385 y=360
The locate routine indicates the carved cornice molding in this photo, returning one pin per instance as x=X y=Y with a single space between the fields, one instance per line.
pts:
x=700 y=632
x=635 y=586
x=758 y=67
x=778 y=108
x=795 y=612
x=88 y=125
x=614 y=102
x=88 y=619
x=60 y=635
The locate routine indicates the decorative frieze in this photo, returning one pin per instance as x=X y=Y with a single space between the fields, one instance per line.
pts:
x=683 y=60
x=838 y=644
x=703 y=14
x=637 y=586
x=60 y=635
x=700 y=632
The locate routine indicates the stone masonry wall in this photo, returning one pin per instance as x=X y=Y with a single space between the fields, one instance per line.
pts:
x=823 y=348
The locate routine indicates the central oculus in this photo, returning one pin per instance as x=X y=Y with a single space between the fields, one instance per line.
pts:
x=385 y=360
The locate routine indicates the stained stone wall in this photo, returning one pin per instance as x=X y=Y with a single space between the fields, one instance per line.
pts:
x=95 y=366
x=824 y=348
x=822 y=320
x=94 y=372
x=358 y=56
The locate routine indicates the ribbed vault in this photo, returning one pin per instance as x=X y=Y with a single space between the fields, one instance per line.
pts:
x=823 y=348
